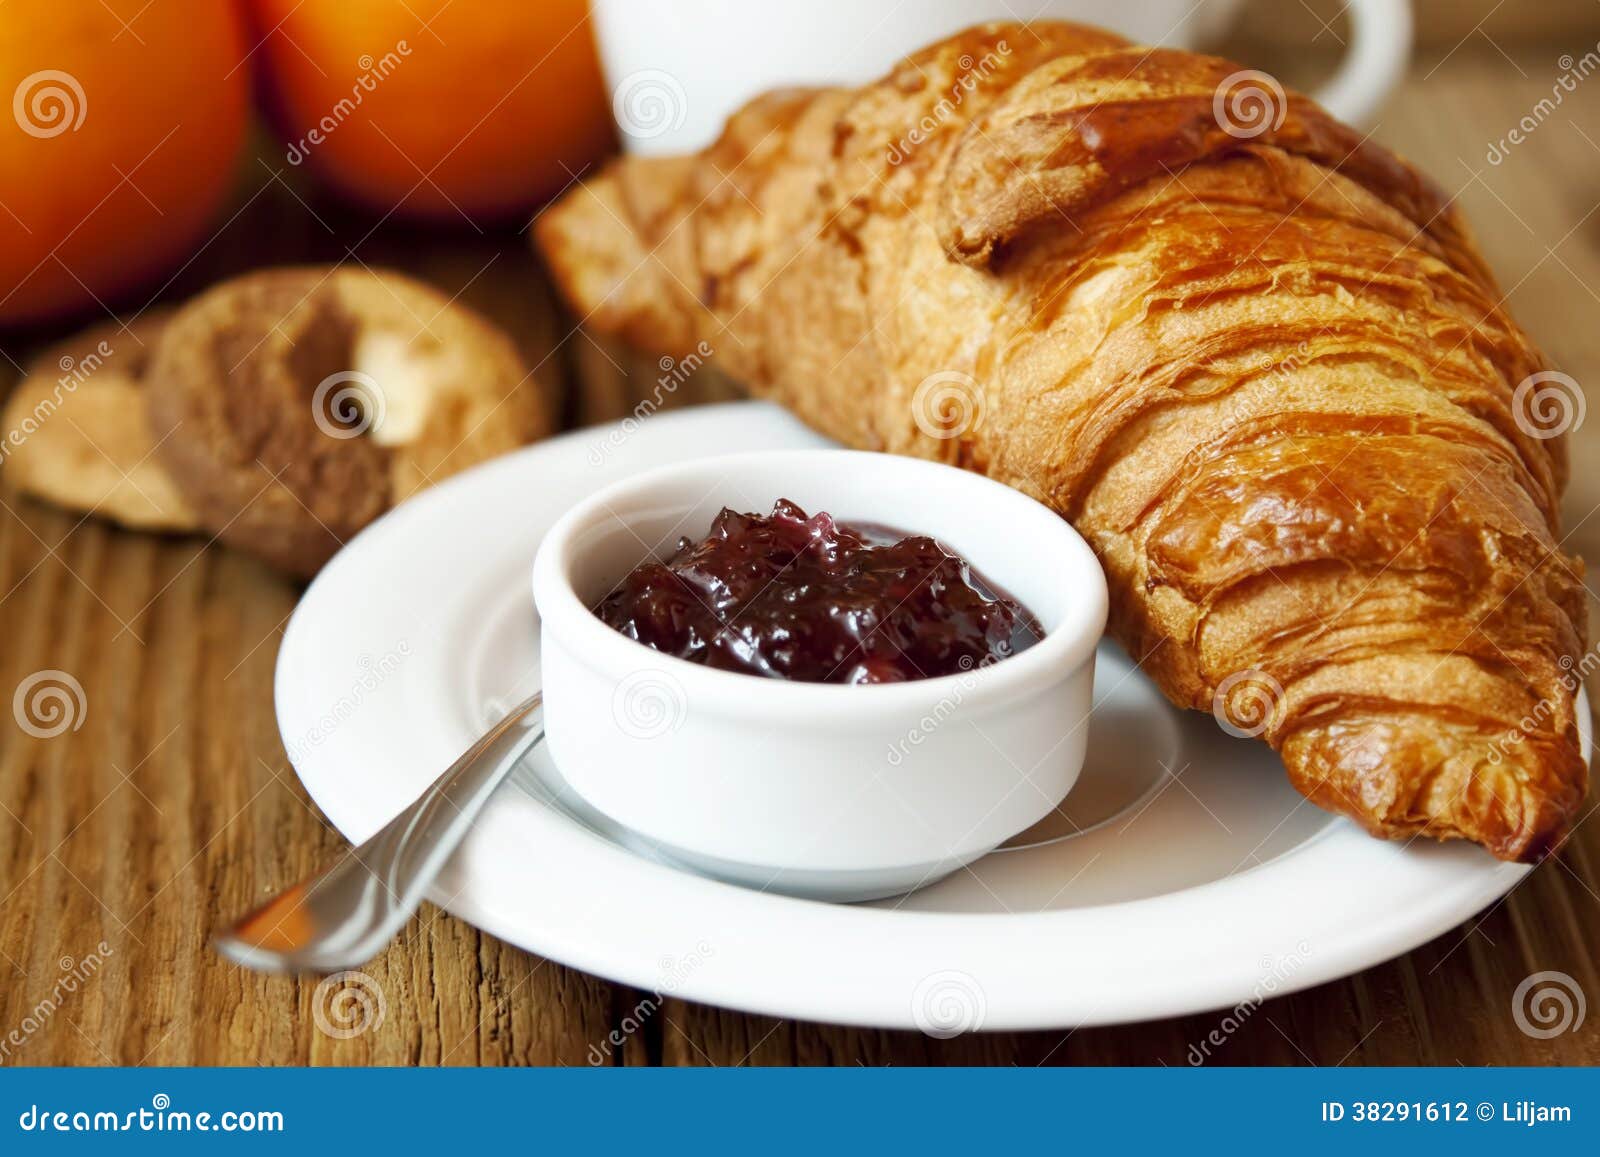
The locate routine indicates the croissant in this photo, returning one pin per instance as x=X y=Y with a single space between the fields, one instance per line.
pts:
x=1256 y=359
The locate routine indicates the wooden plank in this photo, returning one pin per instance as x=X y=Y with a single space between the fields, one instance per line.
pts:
x=172 y=805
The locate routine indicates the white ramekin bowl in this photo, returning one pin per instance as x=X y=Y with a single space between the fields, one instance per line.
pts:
x=821 y=790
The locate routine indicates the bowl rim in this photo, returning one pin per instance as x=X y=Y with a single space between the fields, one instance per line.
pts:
x=1061 y=652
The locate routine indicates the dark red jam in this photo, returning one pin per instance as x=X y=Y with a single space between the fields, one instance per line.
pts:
x=816 y=601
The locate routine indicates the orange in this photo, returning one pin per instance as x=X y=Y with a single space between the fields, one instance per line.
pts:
x=438 y=109
x=120 y=129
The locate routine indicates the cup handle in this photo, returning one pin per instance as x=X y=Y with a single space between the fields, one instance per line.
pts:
x=1374 y=62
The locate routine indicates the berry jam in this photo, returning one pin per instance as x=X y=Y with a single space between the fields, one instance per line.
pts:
x=816 y=601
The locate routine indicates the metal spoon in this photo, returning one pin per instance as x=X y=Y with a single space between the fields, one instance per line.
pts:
x=347 y=914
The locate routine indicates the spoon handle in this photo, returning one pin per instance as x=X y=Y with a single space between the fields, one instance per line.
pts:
x=344 y=916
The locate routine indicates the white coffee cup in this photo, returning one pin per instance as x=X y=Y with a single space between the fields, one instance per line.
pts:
x=678 y=68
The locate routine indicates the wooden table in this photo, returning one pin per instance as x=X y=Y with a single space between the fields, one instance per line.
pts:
x=174 y=806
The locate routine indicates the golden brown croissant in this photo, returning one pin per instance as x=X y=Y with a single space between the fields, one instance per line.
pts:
x=1255 y=359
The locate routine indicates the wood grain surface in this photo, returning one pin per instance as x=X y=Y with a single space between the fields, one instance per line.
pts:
x=172 y=806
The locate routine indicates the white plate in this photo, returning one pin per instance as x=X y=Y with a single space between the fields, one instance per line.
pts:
x=1199 y=879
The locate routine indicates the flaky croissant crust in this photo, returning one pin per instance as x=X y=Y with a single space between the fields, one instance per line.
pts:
x=1262 y=368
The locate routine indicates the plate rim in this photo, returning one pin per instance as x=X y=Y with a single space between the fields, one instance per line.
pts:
x=1019 y=993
